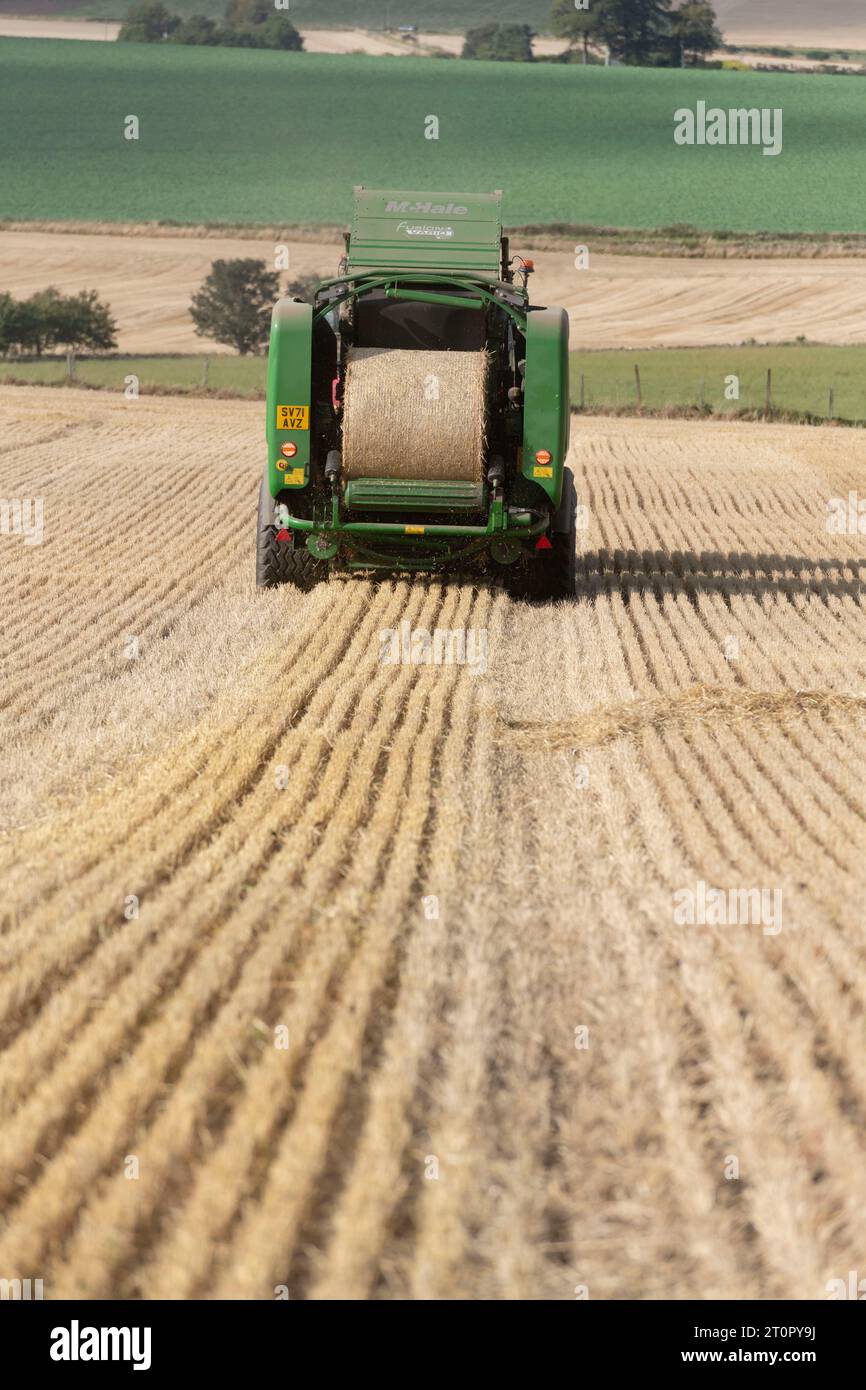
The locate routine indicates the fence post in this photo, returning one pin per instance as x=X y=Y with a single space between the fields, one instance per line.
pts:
x=702 y=393
x=581 y=397
x=769 y=389
x=70 y=364
x=830 y=405
x=637 y=383
x=205 y=372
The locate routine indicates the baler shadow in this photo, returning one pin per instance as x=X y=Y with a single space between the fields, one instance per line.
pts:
x=732 y=573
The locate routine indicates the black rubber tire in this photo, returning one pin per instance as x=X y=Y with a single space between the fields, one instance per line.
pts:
x=546 y=575
x=277 y=562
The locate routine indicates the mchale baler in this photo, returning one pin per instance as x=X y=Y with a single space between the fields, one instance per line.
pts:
x=418 y=409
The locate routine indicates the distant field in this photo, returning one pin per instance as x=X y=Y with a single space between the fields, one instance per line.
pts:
x=566 y=144
x=802 y=377
x=635 y=301
x=801 y=380
x=833 y=22
x=324 y=14
x=240 y=375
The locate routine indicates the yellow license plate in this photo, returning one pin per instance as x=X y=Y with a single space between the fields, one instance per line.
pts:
x=293 y=417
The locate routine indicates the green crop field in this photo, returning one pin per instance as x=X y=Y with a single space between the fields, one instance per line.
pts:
x=240 y=136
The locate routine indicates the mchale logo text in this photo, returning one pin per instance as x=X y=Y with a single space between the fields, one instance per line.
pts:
x=427 y=209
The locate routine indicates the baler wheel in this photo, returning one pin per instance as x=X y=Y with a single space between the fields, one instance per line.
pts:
x=279 y=562
x=552 y=573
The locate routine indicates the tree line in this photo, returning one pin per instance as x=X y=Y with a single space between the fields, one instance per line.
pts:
x=248 y=24
x=49 y=319
x=645 y=33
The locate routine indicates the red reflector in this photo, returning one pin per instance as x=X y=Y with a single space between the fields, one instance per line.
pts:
x=543 y=543
x=284 y=535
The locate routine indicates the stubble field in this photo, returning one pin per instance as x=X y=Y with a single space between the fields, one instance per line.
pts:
x=286 y=1067
x=620 y=301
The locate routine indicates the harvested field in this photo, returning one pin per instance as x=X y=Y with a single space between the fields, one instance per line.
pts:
x=148 y=281
x=315 y=40
x=793 y=22
x=285 y=808
x=621 y=301
x=14 y=27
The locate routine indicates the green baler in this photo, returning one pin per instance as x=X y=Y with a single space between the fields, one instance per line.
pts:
x=432 y=272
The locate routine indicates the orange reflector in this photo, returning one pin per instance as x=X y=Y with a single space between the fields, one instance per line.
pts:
x=288 y=451
x=543 y=456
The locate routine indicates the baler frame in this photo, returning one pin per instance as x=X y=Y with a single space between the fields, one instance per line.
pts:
x=520 y=501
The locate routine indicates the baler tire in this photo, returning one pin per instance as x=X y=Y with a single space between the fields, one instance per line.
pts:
x=552 y=574
x=277 y=562
x=564 y=537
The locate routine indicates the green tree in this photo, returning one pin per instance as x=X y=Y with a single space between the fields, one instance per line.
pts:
x=241 y=38
x=499 y=43
x=279 y=32
x=148 y=22
x=633 y=29
x=38 y=320
x=234 y=304
x=694 y=31
x=83 y=321
x=578 y=26
x=26 y=330
x=7 y=310
x=49 y=318
x=243 y=14
x=197 y=29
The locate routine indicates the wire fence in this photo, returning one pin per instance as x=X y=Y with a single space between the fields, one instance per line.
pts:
x=775 y=392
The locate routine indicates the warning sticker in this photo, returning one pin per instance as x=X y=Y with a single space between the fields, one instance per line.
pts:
x=542 y=472
x=414 y=530
x=294 y=477
x=293 y=417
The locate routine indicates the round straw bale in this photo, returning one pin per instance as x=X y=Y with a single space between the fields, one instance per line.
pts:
x=414 y=414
